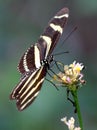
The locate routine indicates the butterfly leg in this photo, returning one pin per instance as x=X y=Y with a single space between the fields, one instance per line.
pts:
x=57 y=63
x=52 y=83
x=69 y=99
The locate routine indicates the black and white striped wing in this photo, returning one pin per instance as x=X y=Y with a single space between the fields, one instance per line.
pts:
x=52 y=33
x=30 y=61
x=30 y=65
x=28 y=88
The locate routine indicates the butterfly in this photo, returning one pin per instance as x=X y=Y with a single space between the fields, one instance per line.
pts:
x=35 y=62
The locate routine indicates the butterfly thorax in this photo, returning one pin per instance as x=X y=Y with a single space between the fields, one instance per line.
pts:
x=46 y=62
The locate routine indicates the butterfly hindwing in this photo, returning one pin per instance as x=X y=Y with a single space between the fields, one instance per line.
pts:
x=28 y=89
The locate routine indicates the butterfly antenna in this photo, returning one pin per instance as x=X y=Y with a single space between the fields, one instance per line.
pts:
x=73 y=30
x=60 y=53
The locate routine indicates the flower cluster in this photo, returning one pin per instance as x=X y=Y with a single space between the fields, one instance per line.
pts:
x=70 y=123
x=71 y=77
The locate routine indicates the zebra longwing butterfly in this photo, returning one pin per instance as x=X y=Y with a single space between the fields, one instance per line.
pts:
x=35 y=62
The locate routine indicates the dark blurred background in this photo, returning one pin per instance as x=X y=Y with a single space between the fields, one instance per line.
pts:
x=21 y=23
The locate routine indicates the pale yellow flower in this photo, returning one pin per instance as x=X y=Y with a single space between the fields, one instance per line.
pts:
x=71 y=75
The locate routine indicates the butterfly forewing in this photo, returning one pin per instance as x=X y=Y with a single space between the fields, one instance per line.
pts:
x=28 y=60
x=53 y=31
x=32 y=65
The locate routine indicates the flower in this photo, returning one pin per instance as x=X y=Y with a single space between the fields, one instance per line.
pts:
x=71 y=76
x=70 y=123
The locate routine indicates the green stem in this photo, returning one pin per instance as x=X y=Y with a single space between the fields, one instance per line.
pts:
x=74 y=94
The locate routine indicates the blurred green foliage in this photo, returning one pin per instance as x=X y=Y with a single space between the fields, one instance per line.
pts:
x=21 y=23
